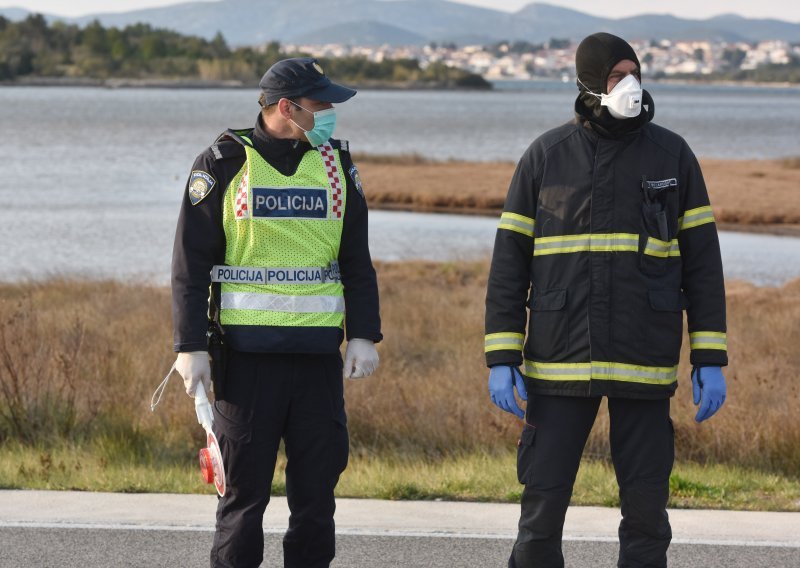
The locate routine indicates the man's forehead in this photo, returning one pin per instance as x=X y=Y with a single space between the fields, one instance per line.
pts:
x=625 y=66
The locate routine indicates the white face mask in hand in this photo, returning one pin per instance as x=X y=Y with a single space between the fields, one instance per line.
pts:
x=624 y=100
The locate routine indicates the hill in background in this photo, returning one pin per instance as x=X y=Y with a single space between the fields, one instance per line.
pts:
x=410 y=22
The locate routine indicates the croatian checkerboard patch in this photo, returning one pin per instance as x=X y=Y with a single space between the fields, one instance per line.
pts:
x=200 y=185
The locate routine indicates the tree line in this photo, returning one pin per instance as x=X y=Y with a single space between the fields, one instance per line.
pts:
x=33 y=48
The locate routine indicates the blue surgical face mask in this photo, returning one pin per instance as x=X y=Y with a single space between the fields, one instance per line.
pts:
x=324 y=125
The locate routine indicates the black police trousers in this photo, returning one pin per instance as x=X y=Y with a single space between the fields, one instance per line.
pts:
x=549 y=453
x=299 y=398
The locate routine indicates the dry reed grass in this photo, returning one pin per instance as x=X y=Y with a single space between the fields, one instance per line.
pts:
x=428 y=399
x=748 y=192
x=78 y=361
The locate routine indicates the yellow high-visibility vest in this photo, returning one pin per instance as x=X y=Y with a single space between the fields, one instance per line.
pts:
x=282 y=243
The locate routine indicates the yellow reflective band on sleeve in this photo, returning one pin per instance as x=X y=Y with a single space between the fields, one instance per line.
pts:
x=517 y=223
x=662 y=249
x=708 y=340
x=696 y=217
x=501 y=341
x=600 y=242
x=601 y=370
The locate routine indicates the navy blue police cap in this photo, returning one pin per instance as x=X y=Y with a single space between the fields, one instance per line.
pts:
x=301 y=77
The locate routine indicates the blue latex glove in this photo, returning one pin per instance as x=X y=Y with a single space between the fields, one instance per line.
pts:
x=502 y=380
x=708 y=390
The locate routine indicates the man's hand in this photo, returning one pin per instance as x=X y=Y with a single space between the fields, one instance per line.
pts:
x=194 y=367
x=502 y=380
x=360 y=359
x=708 y=390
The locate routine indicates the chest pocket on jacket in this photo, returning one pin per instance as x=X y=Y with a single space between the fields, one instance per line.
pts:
x=657 y=241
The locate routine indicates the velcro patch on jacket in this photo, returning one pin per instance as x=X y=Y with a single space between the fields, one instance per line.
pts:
x=200 y=184
x=661 y=184
x=290 y=202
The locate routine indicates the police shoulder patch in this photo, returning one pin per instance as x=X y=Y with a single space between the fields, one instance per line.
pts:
x=200 y=184
x=356 y=179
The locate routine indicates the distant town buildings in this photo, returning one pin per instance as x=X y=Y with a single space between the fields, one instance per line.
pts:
x=556 y=59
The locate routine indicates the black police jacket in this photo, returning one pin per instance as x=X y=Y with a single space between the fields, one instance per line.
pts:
x=603 y=243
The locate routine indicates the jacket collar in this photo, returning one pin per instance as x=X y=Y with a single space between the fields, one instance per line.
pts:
x=606 y=126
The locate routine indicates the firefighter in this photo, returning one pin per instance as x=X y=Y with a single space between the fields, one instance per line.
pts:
x=274 y=224
x=606 y=237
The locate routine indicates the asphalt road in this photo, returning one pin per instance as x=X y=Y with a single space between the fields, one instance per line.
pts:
x=133 y=548
x=88 y=530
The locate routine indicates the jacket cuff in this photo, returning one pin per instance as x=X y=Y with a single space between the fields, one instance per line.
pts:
x=375 y=337
x=709 y=348
x=189 y=347
x=504 y=357
x=708 y=358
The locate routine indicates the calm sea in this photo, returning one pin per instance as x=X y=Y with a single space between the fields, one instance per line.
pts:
x=92 y=178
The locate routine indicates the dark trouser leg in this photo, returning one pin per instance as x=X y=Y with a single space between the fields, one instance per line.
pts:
x=642 y=448
x=248 y=425
x=547 y=462
x=316 y=450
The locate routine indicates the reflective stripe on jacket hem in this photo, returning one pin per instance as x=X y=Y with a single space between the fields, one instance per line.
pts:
x=281 y=303
x=601 y=370
x=501 y=341
x=708 y=340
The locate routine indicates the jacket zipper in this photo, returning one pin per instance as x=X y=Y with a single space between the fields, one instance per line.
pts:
x=589 y=310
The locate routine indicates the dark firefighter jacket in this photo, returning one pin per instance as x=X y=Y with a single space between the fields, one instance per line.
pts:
x=606 y=241
x=200 y=244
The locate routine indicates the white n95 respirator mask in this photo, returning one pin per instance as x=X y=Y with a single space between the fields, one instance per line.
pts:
x=624 y=100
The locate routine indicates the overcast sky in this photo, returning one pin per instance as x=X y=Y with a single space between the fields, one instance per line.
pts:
x=778 y=9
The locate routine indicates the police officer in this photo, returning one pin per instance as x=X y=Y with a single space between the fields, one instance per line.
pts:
x=606 y=237
x=274 y=224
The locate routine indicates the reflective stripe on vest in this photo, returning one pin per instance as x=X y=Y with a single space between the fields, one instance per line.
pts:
x=601 y=370
x=282 y=243
x=604 y=242
x=282 y=303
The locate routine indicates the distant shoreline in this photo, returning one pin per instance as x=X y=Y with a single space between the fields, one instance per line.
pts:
x=164 y=83
x=155 y=83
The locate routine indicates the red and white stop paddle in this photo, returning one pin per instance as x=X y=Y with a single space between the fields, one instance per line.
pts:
x=210 y=457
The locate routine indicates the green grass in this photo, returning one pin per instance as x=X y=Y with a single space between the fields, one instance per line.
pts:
x=472 y=477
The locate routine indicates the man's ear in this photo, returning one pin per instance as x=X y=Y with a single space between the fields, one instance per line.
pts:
x=285 y=107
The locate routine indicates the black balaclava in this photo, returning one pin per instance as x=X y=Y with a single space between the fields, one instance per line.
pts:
x=595 y=58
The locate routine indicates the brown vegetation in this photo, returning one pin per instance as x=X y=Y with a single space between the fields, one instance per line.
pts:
x=744 y=192
x=80 y=360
